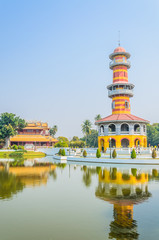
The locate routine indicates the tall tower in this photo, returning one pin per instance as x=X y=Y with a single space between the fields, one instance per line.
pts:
x=120 y=91
x=121 y=128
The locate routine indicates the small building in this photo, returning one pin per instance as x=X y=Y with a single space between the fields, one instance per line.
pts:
x=121 y=128
x=35 y=133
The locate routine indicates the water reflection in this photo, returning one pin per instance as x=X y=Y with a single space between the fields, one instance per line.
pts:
x=15 y=179
x=123 y=189
x=9 y=184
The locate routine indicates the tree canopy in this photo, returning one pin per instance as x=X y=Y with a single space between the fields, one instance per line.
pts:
x=92 y=138
x=97 y=117
x=53 y=130
x=9 y=123
x=153 y=134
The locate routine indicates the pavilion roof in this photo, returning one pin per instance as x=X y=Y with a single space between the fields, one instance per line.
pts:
x=32 y=138
x=121 y=117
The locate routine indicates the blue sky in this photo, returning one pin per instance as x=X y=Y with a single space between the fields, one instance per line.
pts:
x=54 y=63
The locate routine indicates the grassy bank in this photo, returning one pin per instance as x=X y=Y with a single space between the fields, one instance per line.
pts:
x=28 y=154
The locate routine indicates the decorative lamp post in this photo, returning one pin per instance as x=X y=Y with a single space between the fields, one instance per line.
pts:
x=110 y=148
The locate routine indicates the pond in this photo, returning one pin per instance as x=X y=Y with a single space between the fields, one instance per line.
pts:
x=68 y=201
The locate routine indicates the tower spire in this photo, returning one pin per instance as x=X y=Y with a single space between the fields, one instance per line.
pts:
x=119 y=38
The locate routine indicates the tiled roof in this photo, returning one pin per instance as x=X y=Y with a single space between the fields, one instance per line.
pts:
x=121 y=117
x=32 y=138
x=33 y=128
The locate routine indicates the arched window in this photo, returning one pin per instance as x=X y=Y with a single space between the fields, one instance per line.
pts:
x=137 y=128
x=126 y=104
x=112 y=143
x=124 y=127
x=124 y=142
x=111 y=128
x=101 y=129
x=137 y=142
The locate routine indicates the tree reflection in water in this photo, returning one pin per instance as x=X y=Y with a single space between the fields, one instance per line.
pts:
x=9 y=185
x=87 y=177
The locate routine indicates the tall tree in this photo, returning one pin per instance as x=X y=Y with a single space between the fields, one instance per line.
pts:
x=97 y=117
x=9 y=124
x=86 y=128
x=53 y=130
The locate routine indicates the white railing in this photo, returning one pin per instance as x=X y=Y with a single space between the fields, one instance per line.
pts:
x=113 y=63
x=120 y=91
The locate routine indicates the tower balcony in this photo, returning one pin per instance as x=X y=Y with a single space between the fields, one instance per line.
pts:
x=115 y=63
x=112 y=93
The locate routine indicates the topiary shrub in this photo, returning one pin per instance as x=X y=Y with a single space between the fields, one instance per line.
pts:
x=84 y=153
x=60 y=152
x=125 y=176
x=134 y=171
x=14 y=147
x=98 y=154
x=98 y=169
x=154 y=154
x=21 y=147
x=63 y=152
x=133 y=154
x=154 y=173
x=114 y=154
x=113 y=174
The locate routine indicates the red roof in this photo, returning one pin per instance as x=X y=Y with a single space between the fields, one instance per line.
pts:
x=119 y=49
x=121 y=117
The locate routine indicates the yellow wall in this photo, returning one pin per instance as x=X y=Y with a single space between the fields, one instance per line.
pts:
x=104 y=140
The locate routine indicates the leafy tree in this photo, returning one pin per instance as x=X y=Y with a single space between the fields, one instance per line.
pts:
x=114 y=154
x=154 y=154
x=133 y=154
x=53 y=130
x=9 y=124
x=78 y=144
x=153 y=134
x=98 y=154
x=63 y=139
x=84 y=153
x=97 y=117
x=86 y=128
x=61 y=144
x=74 y=139
x=92 y=138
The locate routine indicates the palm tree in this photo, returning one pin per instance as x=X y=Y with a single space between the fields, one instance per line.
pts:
x=86 y=128
x=53 y=130
x=97 y=117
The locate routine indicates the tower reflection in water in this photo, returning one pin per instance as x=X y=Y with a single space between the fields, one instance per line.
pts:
x=123 y=190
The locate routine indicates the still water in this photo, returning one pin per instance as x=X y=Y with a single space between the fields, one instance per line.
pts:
x=62 y=201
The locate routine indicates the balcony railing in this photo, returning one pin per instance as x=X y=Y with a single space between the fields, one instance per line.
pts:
x=111 y=133
x=120 y=91
x=124 y=132
x=121 y=62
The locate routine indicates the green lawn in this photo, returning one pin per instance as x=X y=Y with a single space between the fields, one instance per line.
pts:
x=28 y=154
